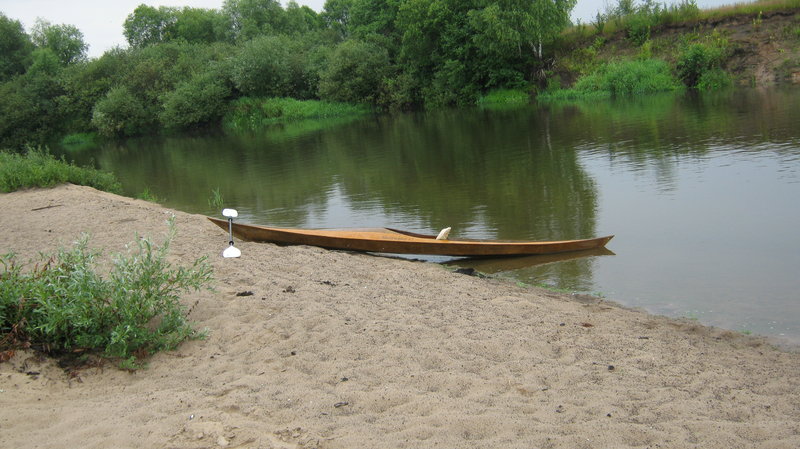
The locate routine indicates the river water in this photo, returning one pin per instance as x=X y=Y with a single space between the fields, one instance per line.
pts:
x=701 y=191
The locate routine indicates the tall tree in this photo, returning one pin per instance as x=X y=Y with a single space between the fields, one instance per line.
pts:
x=355 y=73
x=301 y=19
x=336 y=15
x=15 y=48
x=66 y=41
x=148 y=25
x=251 y=18
x=373 y=17
x=508 y=25
x=438 y=51
x=263 y=67
x=200 y=25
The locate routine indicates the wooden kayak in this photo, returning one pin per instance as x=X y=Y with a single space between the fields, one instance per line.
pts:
x=386 y=240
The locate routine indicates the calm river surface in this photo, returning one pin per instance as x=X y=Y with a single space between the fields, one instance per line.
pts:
x=701 y=191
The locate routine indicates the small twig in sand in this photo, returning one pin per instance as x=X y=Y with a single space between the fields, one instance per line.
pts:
x=47 y=207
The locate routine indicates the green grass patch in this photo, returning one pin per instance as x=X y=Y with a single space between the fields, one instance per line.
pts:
x=715 y=79
x=699 y=62
x=62 y=305
x=79 y=141
x=38 y=168
x=618 y=79
x=148 y=195
x=504 y=97
x=256 y=113
x=216 y=201
x=637 y=20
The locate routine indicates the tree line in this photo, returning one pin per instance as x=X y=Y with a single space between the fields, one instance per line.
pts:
x=183 y=67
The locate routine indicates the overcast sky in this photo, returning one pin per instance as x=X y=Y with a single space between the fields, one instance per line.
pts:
x=101 y=21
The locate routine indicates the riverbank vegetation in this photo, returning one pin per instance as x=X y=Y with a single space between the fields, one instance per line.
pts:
x=619 y=78
x=748 y=44
x=255 y=113
x=504 y=97
x=185 y=67
x=37 y=168
x=188 y=68
x=63 y=306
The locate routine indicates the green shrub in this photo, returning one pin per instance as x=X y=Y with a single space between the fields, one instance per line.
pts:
x=29 y=112
x=637 y=27
x=120 y=114
x=633 y=77
x=683 y=11
x=15 y=46
x=600 y=22
x=216 y=200
x=505 y=96
x=714 y=79
x=63 y=304
x=38 y=168
x=619 y=78
x=255 y=113
x=263 y=67
x=646 y=50
x=147 y=195
x=79 y=141
x=355 y=73
x=196 y=102
x=698 y=58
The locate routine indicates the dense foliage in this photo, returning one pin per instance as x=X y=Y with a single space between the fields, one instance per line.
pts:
x=248 y=114
x=190 y=67
x=700 y=63
x=619 y=78
x=185 y=67
x=37 y=168
x=62 y=304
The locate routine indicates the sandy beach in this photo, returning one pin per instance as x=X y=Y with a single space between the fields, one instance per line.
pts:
x=342 y=350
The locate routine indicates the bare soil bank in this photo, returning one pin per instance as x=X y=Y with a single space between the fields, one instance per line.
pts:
x=764 y=49
x=340 y=350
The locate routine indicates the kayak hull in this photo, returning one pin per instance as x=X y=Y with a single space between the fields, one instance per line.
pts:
x=386 y=240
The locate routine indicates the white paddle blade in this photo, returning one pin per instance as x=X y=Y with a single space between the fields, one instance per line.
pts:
x=231 y=251
x=230 y=213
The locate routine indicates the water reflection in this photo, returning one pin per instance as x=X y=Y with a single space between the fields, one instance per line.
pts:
x=699 y=189
x=486 y=175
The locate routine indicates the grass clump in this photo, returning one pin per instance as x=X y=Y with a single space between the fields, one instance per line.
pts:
x=148 y=195
x=216 y=201
x=619 y=78
x=699 y=64
x=638 y=19
x=79 y=141
x=255 y=113
x=62 y=305
x=504 y=97
x=38 y=168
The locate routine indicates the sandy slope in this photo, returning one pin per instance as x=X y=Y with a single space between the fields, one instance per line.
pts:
x=338 y=350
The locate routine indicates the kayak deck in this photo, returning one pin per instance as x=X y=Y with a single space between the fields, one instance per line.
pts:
x=387 y=240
